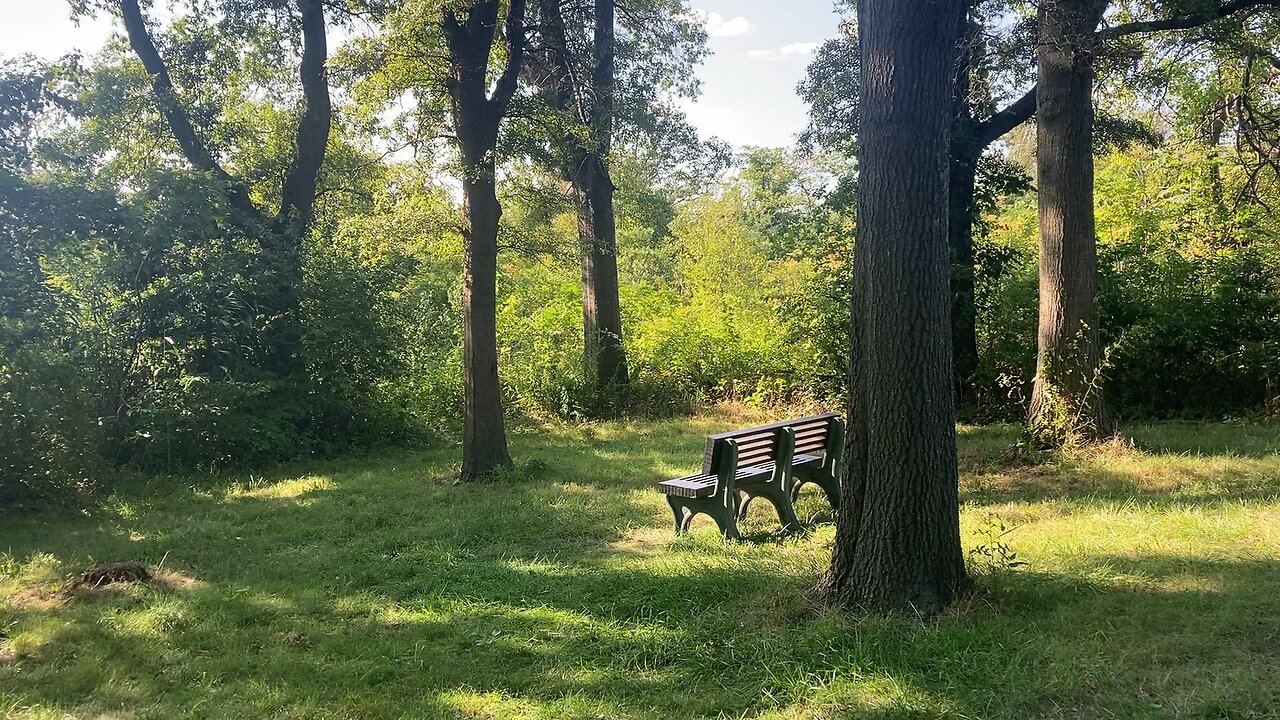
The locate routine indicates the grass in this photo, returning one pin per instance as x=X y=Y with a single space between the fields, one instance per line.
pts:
x=379 y=589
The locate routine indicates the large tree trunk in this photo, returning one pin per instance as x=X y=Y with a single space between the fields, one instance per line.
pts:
x=585 y=168
x=1067 y=403
x=601 y=311
x=484 y=438
x=898 y=537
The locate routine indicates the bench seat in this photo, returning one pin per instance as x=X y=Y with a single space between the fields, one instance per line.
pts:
x=700 y=485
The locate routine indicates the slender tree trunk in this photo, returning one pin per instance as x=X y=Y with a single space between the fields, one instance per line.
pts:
x=589 y=103
x=282 y=236
x=601 y=308
x=477 y=114
x=601 y=311
x=1067 y=402
x=484 y=437
x=298 y=192
x=898 y=537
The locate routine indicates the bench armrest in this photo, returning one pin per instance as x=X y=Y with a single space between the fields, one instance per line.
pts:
x=725 y=486
x=834 y=455
x=784 y=457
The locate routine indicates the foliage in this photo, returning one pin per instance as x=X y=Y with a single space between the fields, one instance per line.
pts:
x=134 y=304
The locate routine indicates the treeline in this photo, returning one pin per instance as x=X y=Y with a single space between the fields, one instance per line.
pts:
x=225 y=243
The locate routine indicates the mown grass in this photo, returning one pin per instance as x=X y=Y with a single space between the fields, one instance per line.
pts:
x=379 y=589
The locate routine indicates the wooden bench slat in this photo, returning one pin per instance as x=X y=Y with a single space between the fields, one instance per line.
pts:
x=815 y=432
x=702 y=485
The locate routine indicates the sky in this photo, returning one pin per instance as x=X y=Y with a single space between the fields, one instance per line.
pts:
x=760 y=49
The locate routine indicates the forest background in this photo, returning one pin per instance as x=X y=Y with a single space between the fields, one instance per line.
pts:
x=142 y=317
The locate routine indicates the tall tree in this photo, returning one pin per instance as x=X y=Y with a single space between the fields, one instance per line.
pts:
x=608 y=74
x=1067 y=403
x=898 y=530
x=583 y=93
x=286 y=228
x=1067 y=398
x=470 y=33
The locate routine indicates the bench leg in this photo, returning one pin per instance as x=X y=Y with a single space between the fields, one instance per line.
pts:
x=823 y=479
x=781 y=501
x=681 y=514
x=685 y=508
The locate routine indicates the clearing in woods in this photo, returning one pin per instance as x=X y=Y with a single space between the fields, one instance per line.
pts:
x=379 y=589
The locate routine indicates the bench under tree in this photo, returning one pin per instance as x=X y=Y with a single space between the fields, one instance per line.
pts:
x=770 y=461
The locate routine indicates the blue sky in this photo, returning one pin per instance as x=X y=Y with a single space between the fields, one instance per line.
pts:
x=760 y=49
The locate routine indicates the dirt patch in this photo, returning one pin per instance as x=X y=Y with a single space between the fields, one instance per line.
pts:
x=108 y=574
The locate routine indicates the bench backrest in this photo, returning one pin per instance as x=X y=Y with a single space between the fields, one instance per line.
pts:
x=760 y=444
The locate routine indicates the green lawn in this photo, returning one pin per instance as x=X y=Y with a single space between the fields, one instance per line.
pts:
x=379 y=589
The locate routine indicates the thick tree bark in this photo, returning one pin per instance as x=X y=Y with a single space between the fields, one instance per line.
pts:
x=897 y=537
x=1067 y=402
x=477 y=115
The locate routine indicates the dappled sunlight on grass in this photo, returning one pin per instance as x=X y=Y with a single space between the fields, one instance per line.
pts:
x=380 y=588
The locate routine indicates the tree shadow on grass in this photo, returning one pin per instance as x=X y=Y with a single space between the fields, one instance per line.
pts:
x=1122 y=636
x=1088 y=485
x=387 y=592
x=1229 y=439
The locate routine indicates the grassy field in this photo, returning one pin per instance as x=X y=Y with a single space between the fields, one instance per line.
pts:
x=380 y=589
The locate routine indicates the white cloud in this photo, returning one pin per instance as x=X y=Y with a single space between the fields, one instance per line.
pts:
x=799 y=49
x=717 y=26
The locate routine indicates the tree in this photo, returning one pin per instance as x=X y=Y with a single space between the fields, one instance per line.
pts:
x=586 y=96
x=831 y=89
x=477 y=116
x=1067 y=399
x=607 y=75
x=898 y=537
x=1067 y=403
x=287 y=227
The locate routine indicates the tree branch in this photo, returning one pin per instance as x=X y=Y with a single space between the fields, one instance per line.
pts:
x=1184 y=22
x=180 y=124
x=510 y=78
x=162 y=86
x=299 y=192
x=1016 y=113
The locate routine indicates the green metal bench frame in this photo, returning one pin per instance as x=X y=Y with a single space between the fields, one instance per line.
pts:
x=773 y=471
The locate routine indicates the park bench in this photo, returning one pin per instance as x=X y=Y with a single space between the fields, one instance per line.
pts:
x=769 y=461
